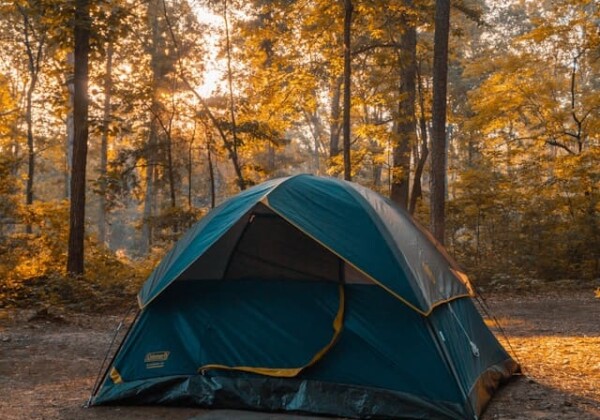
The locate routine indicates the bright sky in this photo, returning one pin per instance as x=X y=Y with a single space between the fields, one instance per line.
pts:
x=215 y=69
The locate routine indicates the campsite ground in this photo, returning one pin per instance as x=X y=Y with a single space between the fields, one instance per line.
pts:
x=48 y=362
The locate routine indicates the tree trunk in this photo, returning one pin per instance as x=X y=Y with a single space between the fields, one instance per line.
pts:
x=316 y=130
x=149 y=193
x=30 y=143
x=33 y=60
x=153 y=10
x=348 y=8
x=190 y=165
x=230 y=86
x=416 y=189
x=334 y=124
x=211 y=170
x=171 y=174
x=75 y=260
x=70 y=134
x=405 y=127
x=104 y=143
x=438 y=141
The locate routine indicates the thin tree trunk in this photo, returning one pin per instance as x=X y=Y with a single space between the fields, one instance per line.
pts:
x=70 y=131
x=15 y=141
x=30 y=144
x=270 y=157
x=70 y=135
x=228 y=144
x=438 y=141
x=231 y=146
x=416 y=189
x=314 y=125
x=170 y=168
x=230 y=82
x=104 y=143
x=211 y=171
x=75 y=260
x=191 y=165
x=149 y=193
x=33 y=60
x=153 y=10
x=334 y=124
x=348 y=9
x=405 y=127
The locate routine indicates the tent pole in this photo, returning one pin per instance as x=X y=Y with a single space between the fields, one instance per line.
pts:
x=101 y=377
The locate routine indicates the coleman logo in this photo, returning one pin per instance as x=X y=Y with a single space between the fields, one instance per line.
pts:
x=156 y=359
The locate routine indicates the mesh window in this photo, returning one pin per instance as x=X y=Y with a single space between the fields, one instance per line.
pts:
x=271 y=248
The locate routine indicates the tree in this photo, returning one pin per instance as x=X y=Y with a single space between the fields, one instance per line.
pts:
x=106 y=118
x=438 y=147
x=82 y=28
x=348 y=8
x=405 y=126
x=34 y=41
x=416 y=192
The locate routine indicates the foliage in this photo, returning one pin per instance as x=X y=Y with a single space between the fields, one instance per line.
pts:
x=195 y=108
x=527 y=201
x=35 y=275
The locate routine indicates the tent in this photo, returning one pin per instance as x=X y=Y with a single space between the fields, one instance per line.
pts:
x=309 y=294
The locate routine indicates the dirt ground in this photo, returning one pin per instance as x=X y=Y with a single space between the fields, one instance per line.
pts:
x=48 y=363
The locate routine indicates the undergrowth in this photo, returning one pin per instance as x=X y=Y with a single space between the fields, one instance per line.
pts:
x=32 y=267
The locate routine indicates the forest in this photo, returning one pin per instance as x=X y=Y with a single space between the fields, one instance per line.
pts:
x=187 y=102
x=125 y=122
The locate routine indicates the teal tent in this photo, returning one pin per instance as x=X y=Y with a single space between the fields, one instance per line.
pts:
x=314 y=295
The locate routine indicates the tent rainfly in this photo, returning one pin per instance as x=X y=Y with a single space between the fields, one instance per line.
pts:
x=311 y=295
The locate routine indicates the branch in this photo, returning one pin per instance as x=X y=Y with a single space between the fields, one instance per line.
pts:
x=568 y=133
x=10 y=111
x=213 y=119
x=364 y=49
x=553 y=142
x=474 y=15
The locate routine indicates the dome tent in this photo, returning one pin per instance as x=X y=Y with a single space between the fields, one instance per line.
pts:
x=313 y=295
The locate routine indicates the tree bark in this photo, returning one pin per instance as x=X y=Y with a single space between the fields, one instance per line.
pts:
x=230 y=86
x=416 y=189
x=146 y=241
x=438 y=141
x=34 y=57
x=30 y=142
x=190 y=166
x=405 y=127
x=211 y=170
x=334 y=124
x=170 y=168
x=348 y=8
x=104 y=143
x=69 y=127
x=75 y=260
x=151 y=146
